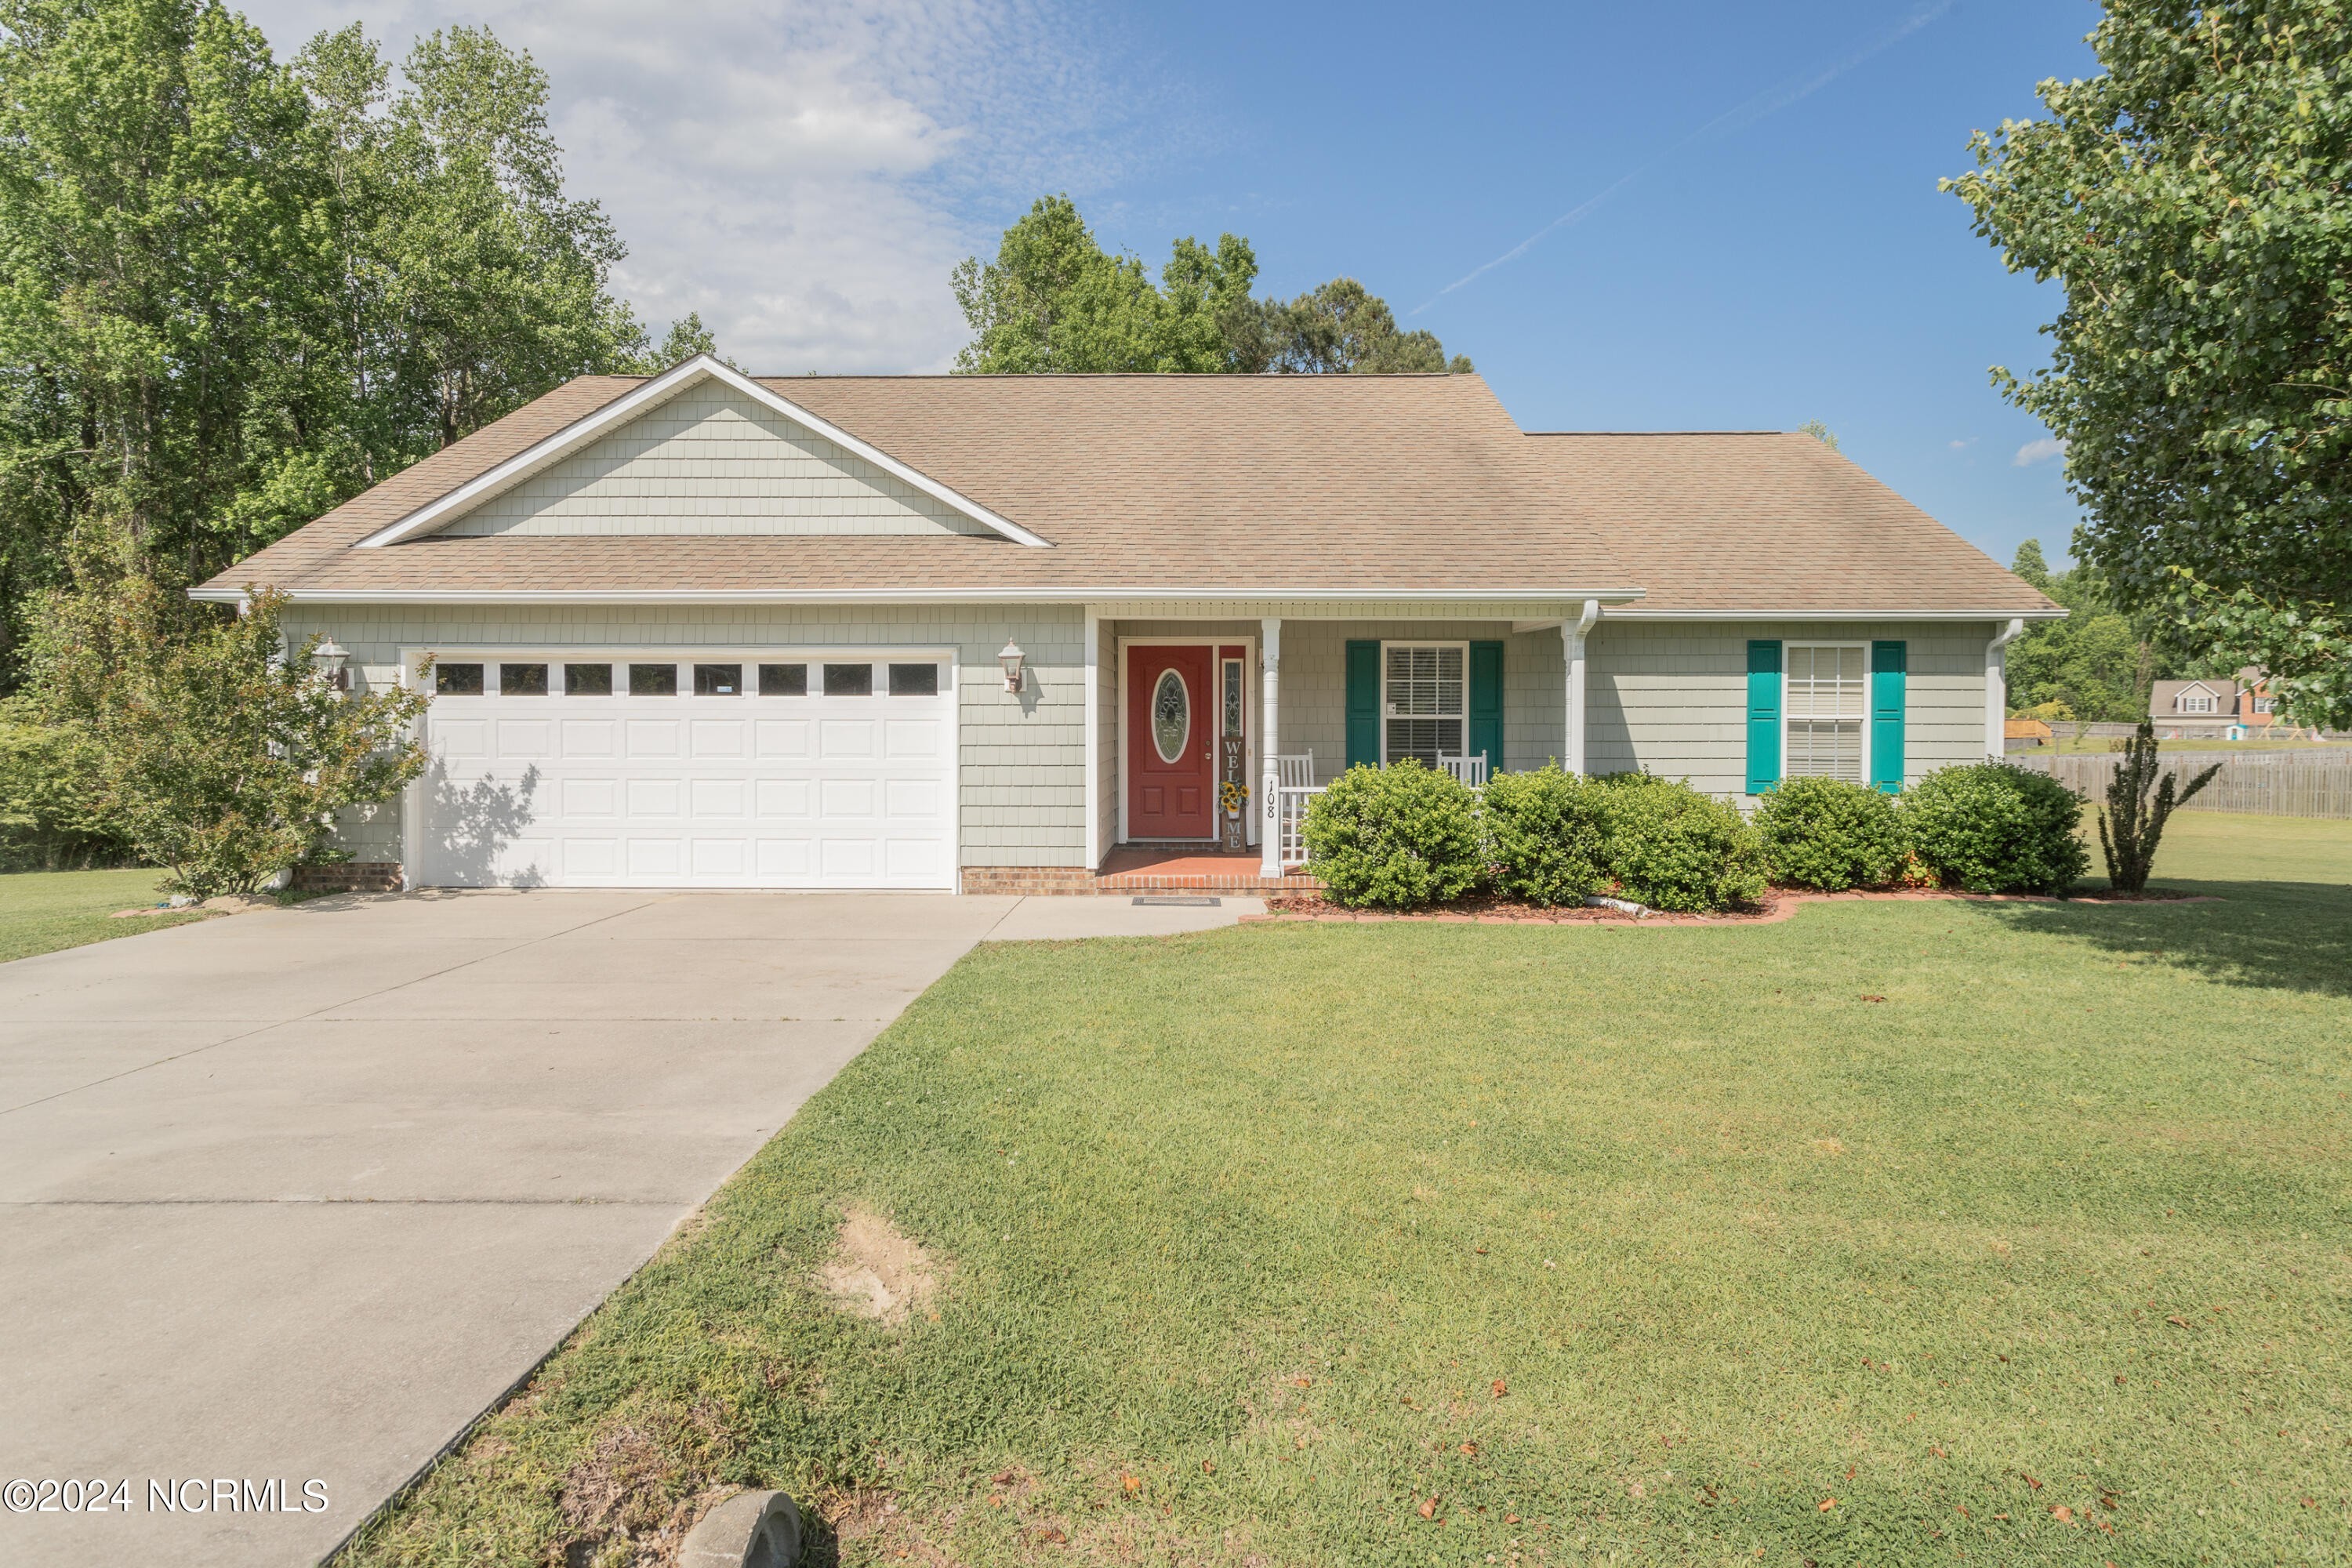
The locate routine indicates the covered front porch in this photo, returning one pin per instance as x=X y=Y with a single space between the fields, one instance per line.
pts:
x=1208 y=735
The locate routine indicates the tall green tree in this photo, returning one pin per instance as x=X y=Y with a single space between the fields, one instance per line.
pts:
x=233 y=293
x=1054 y=300
x=159 y=361
x=2194 y=200
x=2096 y=664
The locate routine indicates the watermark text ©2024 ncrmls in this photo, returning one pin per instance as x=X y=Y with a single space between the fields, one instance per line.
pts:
x=192 y=1494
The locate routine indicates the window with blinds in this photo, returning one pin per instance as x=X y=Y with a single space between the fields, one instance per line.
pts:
x=1426 y=700
x=1827 y=705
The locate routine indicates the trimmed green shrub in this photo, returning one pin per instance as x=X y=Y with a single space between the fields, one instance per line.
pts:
x=49 y=819
x=1395 y=838
x=1994 y=828
x=1671 y=847
x=1830 y=835
x=1544 y=834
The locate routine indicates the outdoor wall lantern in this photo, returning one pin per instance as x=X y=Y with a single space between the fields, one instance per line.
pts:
x=1012 y=659
x=329 y=658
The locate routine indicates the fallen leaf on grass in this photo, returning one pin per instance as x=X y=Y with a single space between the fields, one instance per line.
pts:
x=1499 y=1389
x=1131 y=1483
x=2061 y=1513
x=1208 y=1467
x=1873 y=998
x=2178 y=1321
x=1429 y=1508
x=2030 y=1482
x=1003 y=1478
x=1827 y=1503
x=1469 y=1448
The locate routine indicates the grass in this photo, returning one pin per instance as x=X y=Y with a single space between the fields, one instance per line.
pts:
x=1893 y=1233
x=41 y=911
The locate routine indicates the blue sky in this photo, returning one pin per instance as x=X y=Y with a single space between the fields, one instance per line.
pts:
x=804 y=173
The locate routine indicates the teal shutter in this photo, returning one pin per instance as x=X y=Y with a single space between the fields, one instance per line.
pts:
x=1364 y=704
x=1487 y=703
x=1763 y=716
x=1888 y=663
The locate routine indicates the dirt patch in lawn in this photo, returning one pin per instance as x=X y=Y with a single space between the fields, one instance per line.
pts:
x=880 y=1272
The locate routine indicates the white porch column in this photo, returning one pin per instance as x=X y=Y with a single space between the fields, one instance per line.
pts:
x=1094 y=741
x=1571 y=636
x=1269 y=746
x=1997 y=690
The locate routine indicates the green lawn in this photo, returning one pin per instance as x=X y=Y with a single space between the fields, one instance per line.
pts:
x=1876 y=1236
x=41 y=911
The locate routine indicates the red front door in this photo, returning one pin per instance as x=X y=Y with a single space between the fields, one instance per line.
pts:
x=1172 y=743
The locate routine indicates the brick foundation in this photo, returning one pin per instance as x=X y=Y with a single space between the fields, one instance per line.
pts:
x=348 y=877
x=1025 y=880
x=1047 y=880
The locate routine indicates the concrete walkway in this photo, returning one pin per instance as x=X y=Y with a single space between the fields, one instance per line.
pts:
x=292 y=1196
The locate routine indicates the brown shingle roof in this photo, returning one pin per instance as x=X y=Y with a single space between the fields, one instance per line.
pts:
x=1766 y=520
x=1250 y=485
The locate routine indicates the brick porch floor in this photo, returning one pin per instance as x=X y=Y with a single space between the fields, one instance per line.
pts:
x=1138 y=869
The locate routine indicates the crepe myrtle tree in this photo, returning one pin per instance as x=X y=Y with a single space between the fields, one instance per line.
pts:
x=210 y=743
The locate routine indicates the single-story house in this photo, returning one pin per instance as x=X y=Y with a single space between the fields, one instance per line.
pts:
x=2212 y=706
x=996 y=633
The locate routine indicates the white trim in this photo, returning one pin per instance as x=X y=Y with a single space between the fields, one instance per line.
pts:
x=660 y=389
x=1572 y=634
x=1464 y=644
x=1996 y=688
x=1869 y=738
x=1633 y=612
x=1249 y=645
x=1094 y=741
x=1269 y=709
x=1040 y=595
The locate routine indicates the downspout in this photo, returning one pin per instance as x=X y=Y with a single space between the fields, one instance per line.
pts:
x=1572 y=637
x=1997 y=689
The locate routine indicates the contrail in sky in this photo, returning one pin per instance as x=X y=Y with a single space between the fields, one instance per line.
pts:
x=1738 y=118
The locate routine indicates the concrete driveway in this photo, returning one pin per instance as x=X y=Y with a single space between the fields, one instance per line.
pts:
x=291 y=1197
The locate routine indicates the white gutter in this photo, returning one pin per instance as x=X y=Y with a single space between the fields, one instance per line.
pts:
x=903 y=596
x=1997 y=687
x=1638 y=613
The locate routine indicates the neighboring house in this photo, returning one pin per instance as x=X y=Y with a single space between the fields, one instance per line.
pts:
x=706 y=629
x=2027 y=731
x=2189 y=709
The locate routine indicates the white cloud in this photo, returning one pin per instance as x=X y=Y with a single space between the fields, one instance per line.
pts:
x=804 y=172
x=2039 y=451
x=1962 y=446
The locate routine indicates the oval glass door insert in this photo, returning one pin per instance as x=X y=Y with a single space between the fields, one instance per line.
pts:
x=1172 y=716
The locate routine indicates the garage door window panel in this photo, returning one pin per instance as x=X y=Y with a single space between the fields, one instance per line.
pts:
x=587 y=680
x=457 y=681
x=784 y=680
x=717 y=679
x=914 y=680
x=849 y=680
x=652 y=680
x=522 y=680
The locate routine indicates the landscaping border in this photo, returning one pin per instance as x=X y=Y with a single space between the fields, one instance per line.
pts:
x=1778 y=905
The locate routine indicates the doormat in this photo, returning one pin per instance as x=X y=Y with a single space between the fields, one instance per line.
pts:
x=1187 y=901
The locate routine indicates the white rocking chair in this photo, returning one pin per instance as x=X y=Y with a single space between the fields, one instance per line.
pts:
x=1471 y=771
x=1296 y=771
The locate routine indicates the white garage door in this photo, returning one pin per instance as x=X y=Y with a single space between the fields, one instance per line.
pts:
x=751 y=770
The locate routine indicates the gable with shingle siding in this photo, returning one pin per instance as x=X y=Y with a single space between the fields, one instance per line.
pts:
x=712 y=461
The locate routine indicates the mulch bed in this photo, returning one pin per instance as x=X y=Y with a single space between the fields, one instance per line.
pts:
x=1779 y=904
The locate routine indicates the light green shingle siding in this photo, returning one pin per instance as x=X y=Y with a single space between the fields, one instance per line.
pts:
x=708 y=461
x=1671 y=696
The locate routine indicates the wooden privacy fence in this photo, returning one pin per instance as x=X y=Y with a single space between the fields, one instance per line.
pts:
x=2267 y=784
